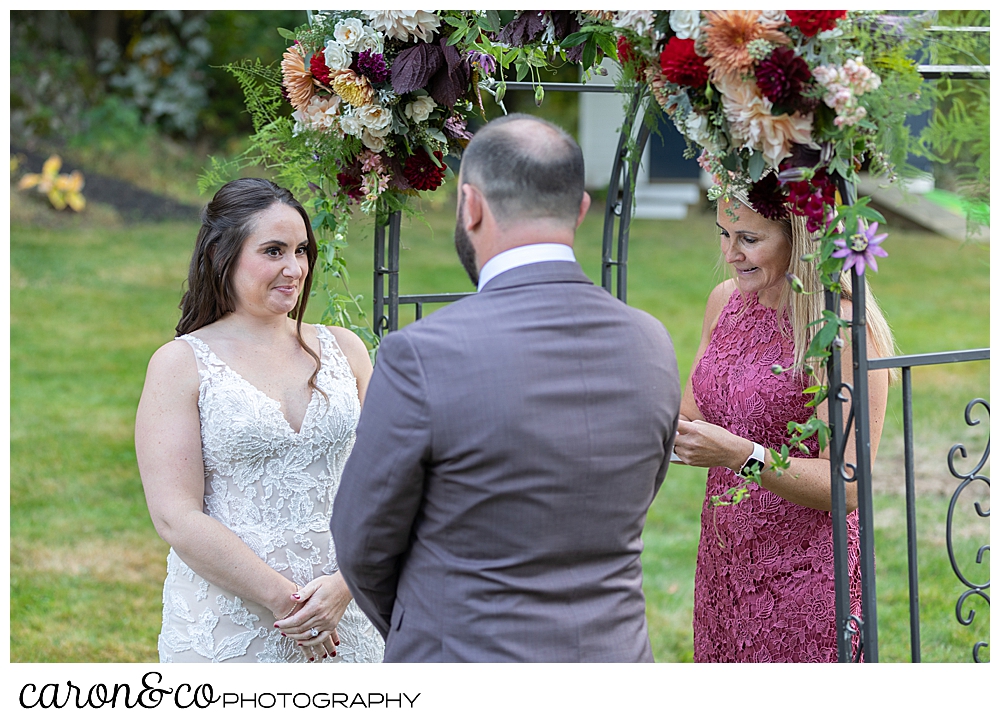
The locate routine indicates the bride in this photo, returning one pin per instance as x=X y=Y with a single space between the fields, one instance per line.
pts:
x=243 y=428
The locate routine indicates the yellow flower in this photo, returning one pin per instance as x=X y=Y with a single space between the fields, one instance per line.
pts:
x=353 y=88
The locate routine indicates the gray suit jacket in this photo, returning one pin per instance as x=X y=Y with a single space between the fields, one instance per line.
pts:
x=508 y=451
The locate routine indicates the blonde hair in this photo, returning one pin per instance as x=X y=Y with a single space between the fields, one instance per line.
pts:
x=805 y=308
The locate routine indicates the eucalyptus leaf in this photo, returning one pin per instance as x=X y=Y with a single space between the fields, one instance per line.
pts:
x=286 y=34
x=437 y=135
x=756 y=166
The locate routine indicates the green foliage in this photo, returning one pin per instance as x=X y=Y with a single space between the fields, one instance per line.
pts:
x=261 y=86
x=595 y=39
x=957 y=137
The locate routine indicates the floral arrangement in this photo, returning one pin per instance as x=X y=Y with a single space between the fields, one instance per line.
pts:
x=780 y=104
x=385 y=94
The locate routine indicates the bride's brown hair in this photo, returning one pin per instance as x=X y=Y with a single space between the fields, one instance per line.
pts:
x=226 y=222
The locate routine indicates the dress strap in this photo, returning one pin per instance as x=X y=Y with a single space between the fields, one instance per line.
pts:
x=332 y=354
x=202 y=352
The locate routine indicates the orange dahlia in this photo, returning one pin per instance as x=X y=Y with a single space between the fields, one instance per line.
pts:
x=297 y=80
x=353 y=88
x=728 y=34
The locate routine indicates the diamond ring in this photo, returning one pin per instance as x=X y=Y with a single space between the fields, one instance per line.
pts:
x=313 y=632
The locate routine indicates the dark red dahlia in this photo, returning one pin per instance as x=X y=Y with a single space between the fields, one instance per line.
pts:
x=812 y=197
x=319 y=69
x=681 y=65
x=781 y=77
x=372 y=66
x=351 y=185
x=768 y=197
x=422 y=172
x=811 y=22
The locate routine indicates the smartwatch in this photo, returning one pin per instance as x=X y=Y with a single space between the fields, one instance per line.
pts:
x=754 y=463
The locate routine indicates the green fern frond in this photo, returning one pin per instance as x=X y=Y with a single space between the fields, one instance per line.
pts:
x=261 y=86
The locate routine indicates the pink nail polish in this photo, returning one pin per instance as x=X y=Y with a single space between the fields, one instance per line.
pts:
x=295 y=596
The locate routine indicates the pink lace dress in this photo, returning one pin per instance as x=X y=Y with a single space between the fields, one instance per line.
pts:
x=763 y=588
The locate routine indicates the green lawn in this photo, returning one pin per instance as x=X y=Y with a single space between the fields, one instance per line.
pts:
x=90 y=303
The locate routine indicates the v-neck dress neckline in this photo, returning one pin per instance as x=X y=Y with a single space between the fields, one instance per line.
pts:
x=310 y=407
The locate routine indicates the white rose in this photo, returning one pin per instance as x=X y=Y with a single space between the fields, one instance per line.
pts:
x=349 y=32
x=338 y=57
x=372 y=142
x=351 y=124
x=773 y=16
x=686 y=23
x=697 y=129
x=420 y=108
x=375 y=117
x=640 y=21
x=370 y=40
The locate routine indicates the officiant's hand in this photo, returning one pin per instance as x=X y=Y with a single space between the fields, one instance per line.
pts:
x=323 y=601
x=702 y=444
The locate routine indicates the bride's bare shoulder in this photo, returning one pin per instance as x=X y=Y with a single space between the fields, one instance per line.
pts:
x=173 y=364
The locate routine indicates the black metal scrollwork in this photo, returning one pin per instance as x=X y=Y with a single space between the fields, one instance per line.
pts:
x=848 y=471
x=853 y=628
x=968 y=478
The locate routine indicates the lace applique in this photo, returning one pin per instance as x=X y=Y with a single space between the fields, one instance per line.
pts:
x=764 y=577
x=274 y=488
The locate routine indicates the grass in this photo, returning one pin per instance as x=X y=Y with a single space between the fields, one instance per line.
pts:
x=90 y=302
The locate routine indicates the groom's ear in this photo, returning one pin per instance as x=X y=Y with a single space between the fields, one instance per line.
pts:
x=473 y=207
x=584 y=207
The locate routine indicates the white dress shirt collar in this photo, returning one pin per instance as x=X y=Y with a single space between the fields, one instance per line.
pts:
x=522 y=256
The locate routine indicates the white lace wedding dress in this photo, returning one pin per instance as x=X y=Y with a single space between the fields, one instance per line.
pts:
x=275 y=489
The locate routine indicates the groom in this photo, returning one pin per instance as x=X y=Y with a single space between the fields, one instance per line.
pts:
x=511 y=444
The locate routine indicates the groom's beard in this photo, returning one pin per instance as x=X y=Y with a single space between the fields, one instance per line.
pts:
x=463 y=246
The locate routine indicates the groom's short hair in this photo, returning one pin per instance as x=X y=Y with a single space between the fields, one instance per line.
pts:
x=526 y=172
